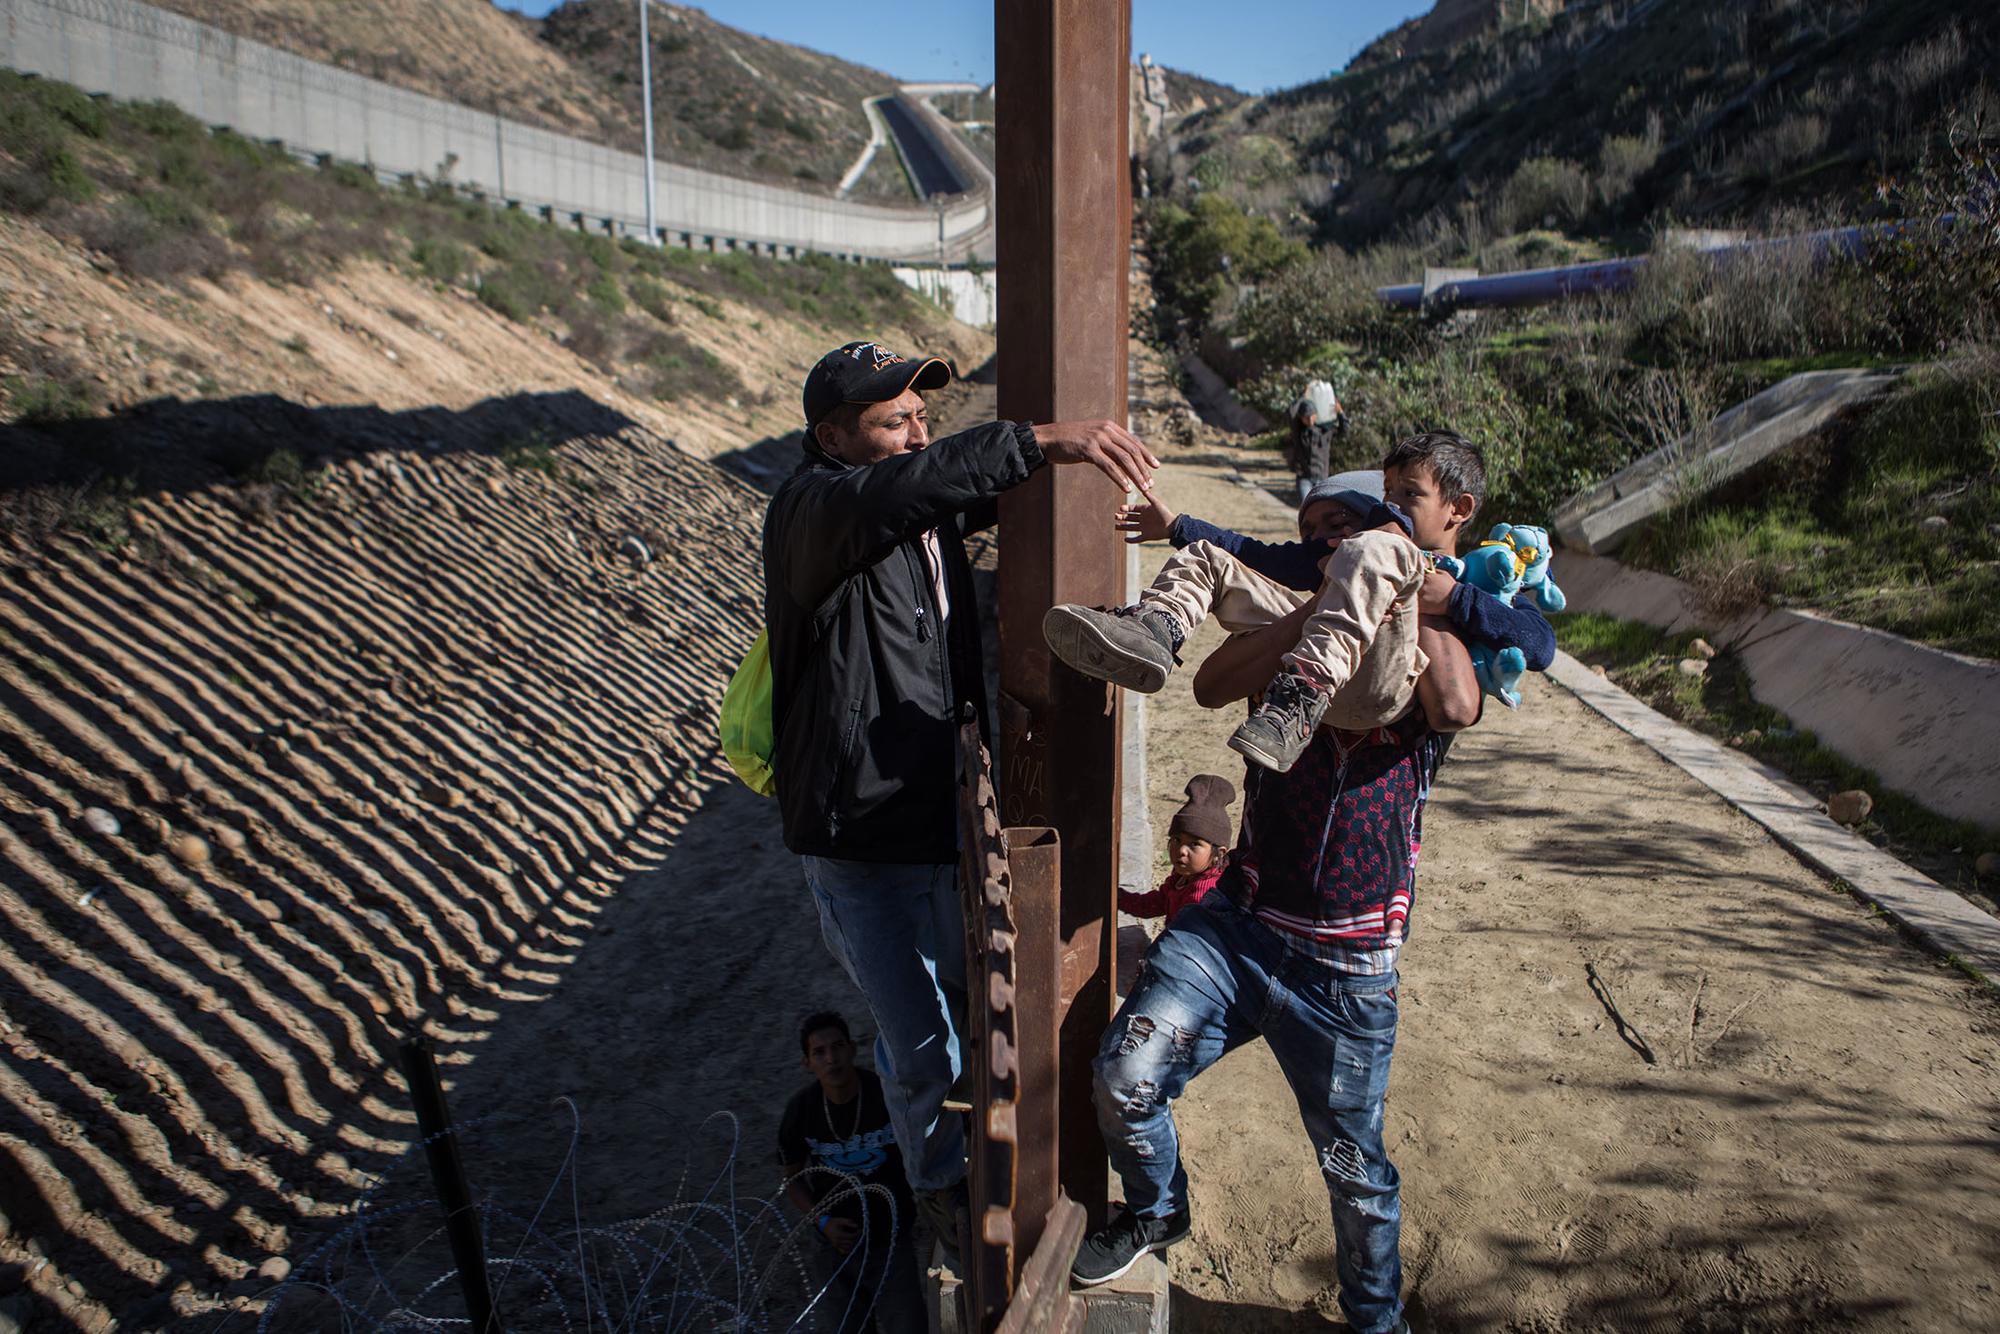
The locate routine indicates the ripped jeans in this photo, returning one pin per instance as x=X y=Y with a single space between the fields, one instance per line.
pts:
x=1216 y=979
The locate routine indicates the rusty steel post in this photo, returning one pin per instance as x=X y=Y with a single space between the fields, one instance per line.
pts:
x=991 y=1051
x=1064 y=229
x=1033 y=857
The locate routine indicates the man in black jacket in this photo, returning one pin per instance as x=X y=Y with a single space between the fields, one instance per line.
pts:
x=875 y=657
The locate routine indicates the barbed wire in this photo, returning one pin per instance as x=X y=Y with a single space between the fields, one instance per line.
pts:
x=711 y=1258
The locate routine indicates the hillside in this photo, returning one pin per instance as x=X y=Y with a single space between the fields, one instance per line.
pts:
x=1601 y=131
x=366 y=589
x=1599 y=120
x=723 y=99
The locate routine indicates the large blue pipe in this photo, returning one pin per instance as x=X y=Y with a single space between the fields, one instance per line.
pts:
x=1531 y=287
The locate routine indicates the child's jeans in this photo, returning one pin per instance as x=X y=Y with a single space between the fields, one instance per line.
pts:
x=1361 y=638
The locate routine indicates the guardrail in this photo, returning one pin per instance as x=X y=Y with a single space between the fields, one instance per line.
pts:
x=129 y=50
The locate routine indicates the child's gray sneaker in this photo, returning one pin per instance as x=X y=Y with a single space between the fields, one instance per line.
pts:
x=1128 y=646
x=1281 y=728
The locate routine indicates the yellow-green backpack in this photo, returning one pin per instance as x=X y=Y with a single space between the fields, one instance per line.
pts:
x=745 y=721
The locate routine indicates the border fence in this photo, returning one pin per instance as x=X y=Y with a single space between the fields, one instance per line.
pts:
x=138 y=52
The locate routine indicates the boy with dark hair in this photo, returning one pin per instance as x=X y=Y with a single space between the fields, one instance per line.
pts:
x=1357 y=660
x=843 y=1171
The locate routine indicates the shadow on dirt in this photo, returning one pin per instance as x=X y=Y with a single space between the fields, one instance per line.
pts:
x=179 y=445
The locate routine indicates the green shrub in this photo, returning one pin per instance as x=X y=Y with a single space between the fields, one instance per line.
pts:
x=84 y=113
x=37 y=121
x=440 y=258
x=653 y=297
x=161 y=120
x=1542 y=191
x=160 y=234
x=1307 y=305
x=243 y=151
x=50 y=177
x=676 y=367
x=350 y=176
x=1936 y=283
x=605 y=293
x=39 y=399
x=1773 y=302
x=1201 y=251
x=517 y=291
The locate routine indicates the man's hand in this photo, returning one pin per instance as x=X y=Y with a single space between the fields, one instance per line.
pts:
x=1150 y=522
x=1434 y=598
x=842 y=1233
x=1107 y=446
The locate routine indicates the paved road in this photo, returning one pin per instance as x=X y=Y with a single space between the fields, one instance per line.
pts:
x=936 y=172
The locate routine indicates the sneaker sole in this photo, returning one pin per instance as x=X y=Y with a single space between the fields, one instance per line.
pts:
x=1257 y=754
x=1081 y=645
x=1121 y=1272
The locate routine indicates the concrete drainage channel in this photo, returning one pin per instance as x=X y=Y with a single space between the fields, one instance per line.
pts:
x=1938 y=918
x=1920 y=717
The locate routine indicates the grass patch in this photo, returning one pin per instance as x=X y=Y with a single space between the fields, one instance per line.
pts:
x=532 y=452
x=1645 y=661
x=37 y=399
x=1841 y=526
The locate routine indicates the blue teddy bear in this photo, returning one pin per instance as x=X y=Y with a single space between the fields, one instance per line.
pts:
x=1513 y=557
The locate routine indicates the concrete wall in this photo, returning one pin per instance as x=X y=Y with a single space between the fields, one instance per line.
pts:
x=1927 y=721
x=972 y=298
x=132 y=50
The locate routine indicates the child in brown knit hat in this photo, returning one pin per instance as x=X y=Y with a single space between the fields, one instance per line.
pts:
x=1198 y=846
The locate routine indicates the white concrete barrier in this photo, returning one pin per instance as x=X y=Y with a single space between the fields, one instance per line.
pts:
x=1926 y=720
x=1600 y=517
x=972 y=298
x=130 y=50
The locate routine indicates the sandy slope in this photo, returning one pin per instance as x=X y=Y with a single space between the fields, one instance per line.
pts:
x=394 y=750
x=1816 y=1143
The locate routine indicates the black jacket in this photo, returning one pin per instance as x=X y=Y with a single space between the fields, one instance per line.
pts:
x=865 y=693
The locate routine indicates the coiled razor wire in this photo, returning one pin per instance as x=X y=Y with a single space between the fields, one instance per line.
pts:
x=716 y=1260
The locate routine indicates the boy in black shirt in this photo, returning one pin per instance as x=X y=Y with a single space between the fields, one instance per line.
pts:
x=843 y=1171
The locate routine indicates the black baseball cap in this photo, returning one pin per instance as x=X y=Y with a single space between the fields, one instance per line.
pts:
x=867 y=373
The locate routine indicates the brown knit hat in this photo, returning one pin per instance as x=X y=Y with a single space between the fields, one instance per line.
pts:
x=1206 y=814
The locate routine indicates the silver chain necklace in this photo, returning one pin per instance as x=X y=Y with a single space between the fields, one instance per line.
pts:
x=860 y=1096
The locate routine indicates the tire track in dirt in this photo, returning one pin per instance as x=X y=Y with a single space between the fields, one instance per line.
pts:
x=422 y=718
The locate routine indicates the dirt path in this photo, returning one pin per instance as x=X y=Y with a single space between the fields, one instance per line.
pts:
x=1815 y=1142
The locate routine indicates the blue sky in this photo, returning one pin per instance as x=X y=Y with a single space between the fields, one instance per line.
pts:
x=1256 y=45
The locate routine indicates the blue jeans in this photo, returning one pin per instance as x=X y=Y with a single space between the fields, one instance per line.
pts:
x=1213 y=981
x=899 y=933
x=874 y=1286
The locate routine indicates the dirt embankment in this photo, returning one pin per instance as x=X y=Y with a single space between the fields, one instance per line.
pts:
x=292 y=762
